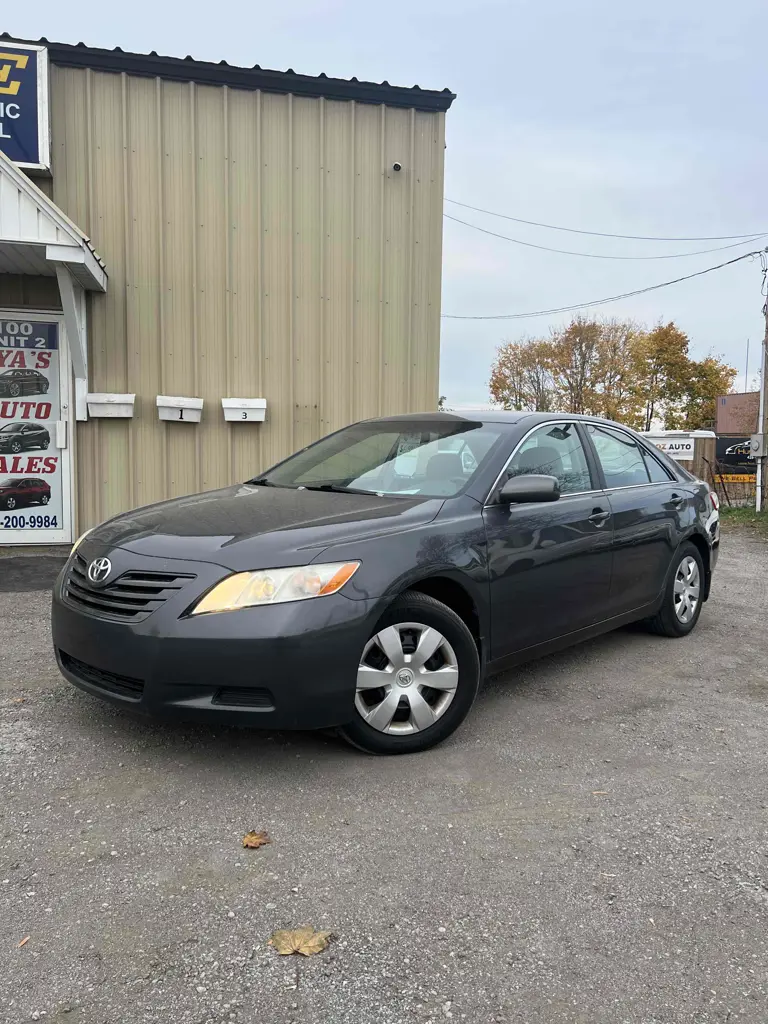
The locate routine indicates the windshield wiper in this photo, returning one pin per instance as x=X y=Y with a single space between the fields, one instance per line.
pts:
x=334 y=487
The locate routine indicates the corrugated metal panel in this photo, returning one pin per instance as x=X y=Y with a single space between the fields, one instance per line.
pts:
x=257 y=245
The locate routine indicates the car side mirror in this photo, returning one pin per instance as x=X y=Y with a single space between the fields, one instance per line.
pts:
x=529 y=488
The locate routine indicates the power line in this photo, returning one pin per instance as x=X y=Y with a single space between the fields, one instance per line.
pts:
x=599 y=256
x=600 y=302
x=604 y=234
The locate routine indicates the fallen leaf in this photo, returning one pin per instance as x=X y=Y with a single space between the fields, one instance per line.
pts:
x=304 y=940
x=253 y=840
x=23 y=942
x=599 y=792
x=19 y=700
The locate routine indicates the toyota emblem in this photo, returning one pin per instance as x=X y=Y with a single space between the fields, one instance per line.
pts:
x=99 y=569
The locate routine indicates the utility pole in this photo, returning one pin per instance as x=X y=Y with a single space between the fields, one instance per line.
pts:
x=761 y=478
x=762 y=416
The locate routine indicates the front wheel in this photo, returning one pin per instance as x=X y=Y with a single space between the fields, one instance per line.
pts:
x=44 y=499
x=417 y=679
x=10 y=503
x=681 y=606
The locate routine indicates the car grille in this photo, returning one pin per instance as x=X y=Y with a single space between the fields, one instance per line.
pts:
x=241 y=697
x=132 y=597
x=123 y=686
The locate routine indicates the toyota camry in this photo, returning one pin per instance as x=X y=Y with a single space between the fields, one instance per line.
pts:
x=370 y=581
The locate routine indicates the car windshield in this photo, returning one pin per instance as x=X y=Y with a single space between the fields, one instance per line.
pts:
x=431 y=458
x=10 y=428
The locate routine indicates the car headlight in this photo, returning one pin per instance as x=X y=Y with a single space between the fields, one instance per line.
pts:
x=79 y=541
x=275 y=586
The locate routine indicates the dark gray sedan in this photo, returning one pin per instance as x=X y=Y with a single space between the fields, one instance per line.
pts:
x=20 y=436
x=371 y=580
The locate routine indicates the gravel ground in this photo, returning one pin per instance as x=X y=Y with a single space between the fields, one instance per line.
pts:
x=590 y=847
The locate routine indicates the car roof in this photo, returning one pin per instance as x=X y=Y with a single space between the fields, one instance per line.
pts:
x=495 y=416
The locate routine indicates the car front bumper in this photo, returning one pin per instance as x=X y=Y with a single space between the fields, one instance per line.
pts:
x=284 y=666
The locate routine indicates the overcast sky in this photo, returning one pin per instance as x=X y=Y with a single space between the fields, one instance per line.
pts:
x=645 y=119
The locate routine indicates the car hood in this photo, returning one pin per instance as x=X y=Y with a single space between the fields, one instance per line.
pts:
x=250 y=527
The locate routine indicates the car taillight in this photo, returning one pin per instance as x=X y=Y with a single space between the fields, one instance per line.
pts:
x=715 y=501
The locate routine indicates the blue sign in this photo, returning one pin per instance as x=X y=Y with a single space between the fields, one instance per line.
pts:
x=24 y=104
x=29 y=334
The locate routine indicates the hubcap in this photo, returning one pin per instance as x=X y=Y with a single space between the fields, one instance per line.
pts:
x=407 y=678
x=687 y=589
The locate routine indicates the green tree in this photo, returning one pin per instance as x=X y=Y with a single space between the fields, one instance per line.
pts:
x=707 y=379
x=521 y=377
x=661 y=366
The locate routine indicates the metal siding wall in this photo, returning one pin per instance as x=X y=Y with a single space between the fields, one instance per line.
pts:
x=257 y=245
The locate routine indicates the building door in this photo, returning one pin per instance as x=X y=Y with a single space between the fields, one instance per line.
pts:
x=35 y=430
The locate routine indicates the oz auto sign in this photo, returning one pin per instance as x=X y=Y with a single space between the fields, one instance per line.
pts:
x=34 y=482
x=680 y=448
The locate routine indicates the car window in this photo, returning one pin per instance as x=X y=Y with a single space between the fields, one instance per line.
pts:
x=619 y=455
x=656 y=471
x=555 y=449
x=393 y=458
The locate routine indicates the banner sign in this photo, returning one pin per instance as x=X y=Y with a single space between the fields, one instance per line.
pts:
x=680 y=448
x=24 y=125
x=31 y=491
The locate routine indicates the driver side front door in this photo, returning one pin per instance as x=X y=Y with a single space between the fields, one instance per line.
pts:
x=549 y=562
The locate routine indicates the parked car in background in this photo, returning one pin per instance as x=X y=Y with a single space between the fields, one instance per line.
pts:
x=16 y=437
x=23 y=382
x=371 y=580
x=19 y=491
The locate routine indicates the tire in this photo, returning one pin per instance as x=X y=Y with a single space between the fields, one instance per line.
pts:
x=406 y=694
x=668 y=621
x=44 y=445
x=10 y=503
x=15 y=447
x=45 y=499
x=14 y=390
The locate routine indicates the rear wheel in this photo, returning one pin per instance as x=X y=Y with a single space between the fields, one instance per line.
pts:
x=417 y=679
x=683 y=596
x=44 y=499
x=15 y=447
x=14 y=390
x=10 y=503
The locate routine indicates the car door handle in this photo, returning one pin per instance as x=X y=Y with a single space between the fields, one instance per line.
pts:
x=599 y=517
x=676 y=501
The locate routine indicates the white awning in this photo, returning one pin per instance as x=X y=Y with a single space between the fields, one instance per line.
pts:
x=36 y=237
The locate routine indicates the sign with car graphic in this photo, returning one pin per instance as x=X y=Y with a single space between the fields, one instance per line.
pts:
x=31 y=470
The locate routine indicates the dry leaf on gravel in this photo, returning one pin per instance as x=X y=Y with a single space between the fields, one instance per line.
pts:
x=253 y=840
x=304 y=940
x=23 y=942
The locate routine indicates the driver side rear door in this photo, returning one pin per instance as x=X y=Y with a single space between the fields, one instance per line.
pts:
x=549 y=562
